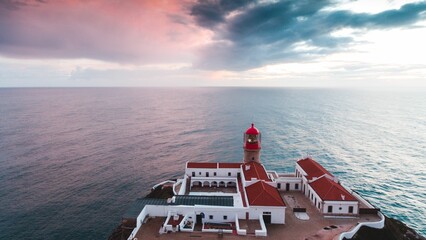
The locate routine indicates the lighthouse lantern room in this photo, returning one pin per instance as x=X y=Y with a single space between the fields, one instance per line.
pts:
x=252 y=145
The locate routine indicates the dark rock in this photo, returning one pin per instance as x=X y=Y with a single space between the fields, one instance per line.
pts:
x=161 y=192
x=124 y=230
x=393 y=230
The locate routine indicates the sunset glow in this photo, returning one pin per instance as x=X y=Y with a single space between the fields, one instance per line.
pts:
x=212 y=43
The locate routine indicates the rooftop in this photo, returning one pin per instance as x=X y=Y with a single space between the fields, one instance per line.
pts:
x=312 y=168
x=263 y=194
x=329 y=190
x=227 y=201
x=255 y=170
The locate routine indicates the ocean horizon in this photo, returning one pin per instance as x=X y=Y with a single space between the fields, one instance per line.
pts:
x=72 y=160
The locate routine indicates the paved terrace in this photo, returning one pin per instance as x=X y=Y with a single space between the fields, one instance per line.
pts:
x=294 y=228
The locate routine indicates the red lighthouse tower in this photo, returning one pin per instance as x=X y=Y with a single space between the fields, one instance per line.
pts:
x=252 y=140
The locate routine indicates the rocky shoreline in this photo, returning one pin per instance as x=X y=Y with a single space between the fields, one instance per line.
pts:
x=393 y=230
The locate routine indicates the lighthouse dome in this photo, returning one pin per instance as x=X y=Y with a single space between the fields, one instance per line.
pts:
x=252 y=130
x=252 y=138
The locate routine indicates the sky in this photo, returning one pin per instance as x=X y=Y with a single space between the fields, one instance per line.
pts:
x=268 y=43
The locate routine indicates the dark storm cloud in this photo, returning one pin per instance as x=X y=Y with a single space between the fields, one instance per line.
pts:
x=272 y=32
x=208 y=13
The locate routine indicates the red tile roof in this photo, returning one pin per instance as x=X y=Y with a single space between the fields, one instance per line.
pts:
x=212 y=165
x=263 y=194
x=255 y=170
x=201 y=165
x=312 y=168
x=329 y=190
x=229 y=165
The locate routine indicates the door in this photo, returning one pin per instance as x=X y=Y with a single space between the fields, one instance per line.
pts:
x=200 y=218
x=267 y=218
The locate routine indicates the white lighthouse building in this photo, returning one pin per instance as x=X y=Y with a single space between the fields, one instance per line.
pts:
x=224 y=196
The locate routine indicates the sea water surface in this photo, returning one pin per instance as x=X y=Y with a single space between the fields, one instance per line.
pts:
x=72 y=160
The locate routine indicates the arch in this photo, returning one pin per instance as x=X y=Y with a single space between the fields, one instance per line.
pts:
x=214 y=184
x=222 y=184
x=231 y=184
x=206 y=184
x=196 y=183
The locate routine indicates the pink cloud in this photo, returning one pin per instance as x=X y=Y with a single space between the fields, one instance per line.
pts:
x=117 y=31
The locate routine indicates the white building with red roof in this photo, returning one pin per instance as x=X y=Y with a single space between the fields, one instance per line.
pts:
x=324 y=190
x=221 y=194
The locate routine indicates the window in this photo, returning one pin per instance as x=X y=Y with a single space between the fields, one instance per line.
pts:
x=319 y=206
x=267 y=213
x=296 y=186
x=351 y=209
x=251 y=138
x=199 y=173
x=210 y=217
x=330 y=209
x=229 y=174
x=214 y=174
x=193 y=174
x=207 y=174
x=279 y=185
x=225 y=217
x=340 y=208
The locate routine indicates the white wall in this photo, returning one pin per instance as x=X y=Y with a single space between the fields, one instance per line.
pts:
x=183 y=187
x=277 y=213
x=315 y=197
x=220 y=172
x=219 y=212
x=214 y=181
x=291 y=181
x=340 y=207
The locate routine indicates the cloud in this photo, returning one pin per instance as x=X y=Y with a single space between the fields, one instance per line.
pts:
x=212 y=34
x=137 y=32
x=209 y=13
x=287 y=30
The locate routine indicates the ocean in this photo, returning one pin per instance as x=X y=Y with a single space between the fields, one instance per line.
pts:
x=73 y=159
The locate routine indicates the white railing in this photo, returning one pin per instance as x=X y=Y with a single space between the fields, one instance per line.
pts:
x=162 y=183
x=183 y=187
x=237 y=227
x=379 y=225
x=139 y=222
x=188 y=218
x=179 y=181
x=262 y=232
